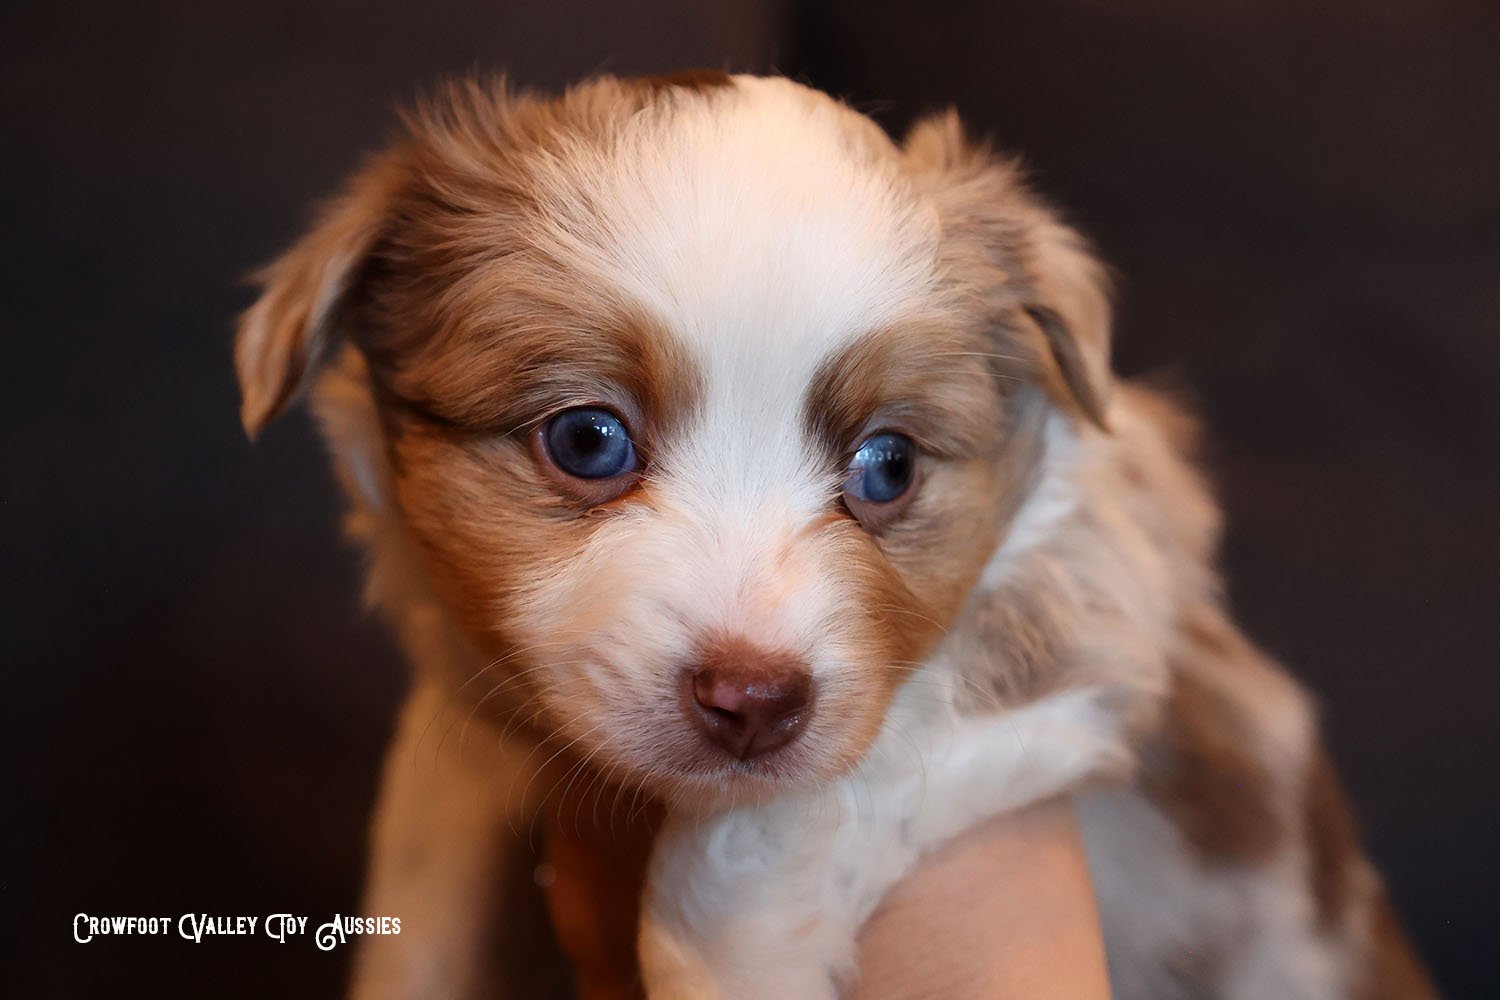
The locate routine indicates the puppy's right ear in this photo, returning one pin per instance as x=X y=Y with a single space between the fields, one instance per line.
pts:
x=288 y=332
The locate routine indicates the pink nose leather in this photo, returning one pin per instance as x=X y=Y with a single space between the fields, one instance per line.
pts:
x=748 y=701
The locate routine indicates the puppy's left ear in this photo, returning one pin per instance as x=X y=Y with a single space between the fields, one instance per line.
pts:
x=1061 y=289
x=1069 y=303
x=287 y=333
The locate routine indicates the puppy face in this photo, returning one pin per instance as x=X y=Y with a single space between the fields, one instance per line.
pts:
x=704 y=402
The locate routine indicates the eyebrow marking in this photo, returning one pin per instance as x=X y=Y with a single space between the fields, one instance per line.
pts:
x=503 y=378
x=927 y=382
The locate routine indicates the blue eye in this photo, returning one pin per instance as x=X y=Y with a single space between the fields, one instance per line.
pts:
x=882 y=469
x=589 y=443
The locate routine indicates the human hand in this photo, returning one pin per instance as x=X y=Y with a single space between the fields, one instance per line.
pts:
x=1004 y=910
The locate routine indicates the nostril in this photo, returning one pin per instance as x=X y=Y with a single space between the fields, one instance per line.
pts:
x=750 y=702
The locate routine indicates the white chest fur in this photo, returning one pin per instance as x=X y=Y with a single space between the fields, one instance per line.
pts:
x=767 y=900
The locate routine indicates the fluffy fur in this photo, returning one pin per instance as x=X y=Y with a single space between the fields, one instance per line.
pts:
x=755 y=278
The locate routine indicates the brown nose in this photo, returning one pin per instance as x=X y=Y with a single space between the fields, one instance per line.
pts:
x=748 y=701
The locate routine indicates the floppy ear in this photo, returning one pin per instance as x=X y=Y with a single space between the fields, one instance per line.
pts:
x=1061 y=290
x=1069 y=303
x=287 y=333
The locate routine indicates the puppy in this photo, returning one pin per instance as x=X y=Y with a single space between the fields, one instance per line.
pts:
x=708 y=446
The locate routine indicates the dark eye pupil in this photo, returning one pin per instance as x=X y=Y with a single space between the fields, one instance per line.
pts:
x=589 y=443
x=882 y=468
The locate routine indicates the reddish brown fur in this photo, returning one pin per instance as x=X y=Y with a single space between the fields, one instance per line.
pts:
x=437 y=267
x=937 y=387
x=1209 y=780
x=1394 y=971
x=691 y=79
x=1342 y=892
x=1333 y=841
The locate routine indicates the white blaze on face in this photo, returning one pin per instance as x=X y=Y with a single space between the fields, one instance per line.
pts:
x=765 y=227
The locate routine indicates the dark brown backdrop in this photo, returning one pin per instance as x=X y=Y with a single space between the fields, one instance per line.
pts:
x=1303 y=206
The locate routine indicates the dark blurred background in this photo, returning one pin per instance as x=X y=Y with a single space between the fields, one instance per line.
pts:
x=1303 y=201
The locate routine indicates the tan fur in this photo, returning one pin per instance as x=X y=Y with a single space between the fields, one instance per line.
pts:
x=1059 y=538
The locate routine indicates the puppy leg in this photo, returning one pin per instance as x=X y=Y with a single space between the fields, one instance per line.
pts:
x=994 y=764
x=437 y=858
x=732 y=907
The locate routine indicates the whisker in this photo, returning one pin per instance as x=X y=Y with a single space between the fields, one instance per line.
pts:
x=561 y=750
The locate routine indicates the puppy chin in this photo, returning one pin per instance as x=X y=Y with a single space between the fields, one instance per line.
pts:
x=734 y=783
x=692 y=773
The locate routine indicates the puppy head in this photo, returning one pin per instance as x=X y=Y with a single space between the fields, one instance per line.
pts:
x=705 y=403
